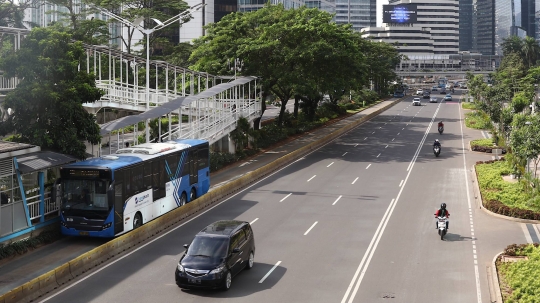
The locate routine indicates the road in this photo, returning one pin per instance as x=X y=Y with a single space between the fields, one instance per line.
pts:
x=350 y=222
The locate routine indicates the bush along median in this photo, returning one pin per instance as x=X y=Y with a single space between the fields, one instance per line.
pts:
x=485 y=146
x=503 y=197
x=477 y=120
x=518 y=268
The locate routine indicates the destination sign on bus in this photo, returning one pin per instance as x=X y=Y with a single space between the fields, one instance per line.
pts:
x=85 y=173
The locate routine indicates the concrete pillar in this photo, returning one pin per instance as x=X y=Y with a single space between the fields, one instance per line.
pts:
x=231 y=147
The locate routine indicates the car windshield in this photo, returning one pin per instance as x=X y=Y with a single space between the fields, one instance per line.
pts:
x=85 y=198
x=205 y=246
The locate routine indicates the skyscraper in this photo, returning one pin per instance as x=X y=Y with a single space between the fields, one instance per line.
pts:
x=466 y=25
x=484 y=30
x=359 y=13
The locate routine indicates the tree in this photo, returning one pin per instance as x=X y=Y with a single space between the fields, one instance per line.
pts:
x=12 y=12
x=531 y=51
x=512 y=44
x=47 y=103
x=525 y=138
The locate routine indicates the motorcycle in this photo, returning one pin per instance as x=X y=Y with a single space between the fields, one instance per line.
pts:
x=441 y=223
x=441 y=129
x=436 y=150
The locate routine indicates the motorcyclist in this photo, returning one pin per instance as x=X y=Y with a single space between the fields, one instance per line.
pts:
x=441 y=124
x=442 y=212
x=437 y=143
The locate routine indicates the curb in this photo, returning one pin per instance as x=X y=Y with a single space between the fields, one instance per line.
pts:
x=495 y=280
x=489 y=212
x=55 y=278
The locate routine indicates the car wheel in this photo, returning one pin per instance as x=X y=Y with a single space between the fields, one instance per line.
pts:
x=251 y=261
x=228 y=281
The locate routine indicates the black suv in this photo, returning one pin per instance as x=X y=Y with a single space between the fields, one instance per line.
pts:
x=426 y=95
x=217 y=253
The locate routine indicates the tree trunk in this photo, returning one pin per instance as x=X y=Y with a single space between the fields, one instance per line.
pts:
x=296 y=105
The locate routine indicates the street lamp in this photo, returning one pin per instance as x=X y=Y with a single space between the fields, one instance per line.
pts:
x=148 y=31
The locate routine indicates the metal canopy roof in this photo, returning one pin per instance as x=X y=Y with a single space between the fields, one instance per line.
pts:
x=171 y=105
x=42 y=160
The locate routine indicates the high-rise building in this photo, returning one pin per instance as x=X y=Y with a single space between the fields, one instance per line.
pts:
x=359 y=13
x=484 y=30
x=433 y=27
x=466 y=25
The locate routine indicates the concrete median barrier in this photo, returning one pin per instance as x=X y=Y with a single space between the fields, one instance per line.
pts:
x=15 y=295
x=89 y=260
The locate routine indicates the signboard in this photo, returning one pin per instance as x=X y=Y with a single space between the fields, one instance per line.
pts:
x=400 y=13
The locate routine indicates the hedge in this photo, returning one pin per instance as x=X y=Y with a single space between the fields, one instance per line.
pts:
x=520 y=280
x=23 y=246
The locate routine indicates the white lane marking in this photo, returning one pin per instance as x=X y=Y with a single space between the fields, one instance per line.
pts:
x=380 y=127
x=526 y=233
x=254 y=221
x=368 y=166
x=393 y=139
x=403 y=128
x=398 y=134
x=180 y=225
x=424 y=138
x=336 y=200
x=384 y=123
x=269 y=272
x=356 y=145
x=344 y=154
x=400 y=183
x=365 y=138
x=372 y=133
x=380 y=230
x=285 y=197
x=312 y=178
x=407 y=124
x=476 y=271
x=386 y=146
x=378 y=155
x=355 y=180
x=330 y=164
x=309 y=229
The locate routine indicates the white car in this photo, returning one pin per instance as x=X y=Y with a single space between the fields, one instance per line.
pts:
x=416 y=101
x=433 y=99
x=419 y=91
x=448 y=86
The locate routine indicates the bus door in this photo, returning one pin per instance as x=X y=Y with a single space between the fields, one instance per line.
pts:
x=118 y=203
x=193 y=167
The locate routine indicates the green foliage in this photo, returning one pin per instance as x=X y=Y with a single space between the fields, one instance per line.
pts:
x=468 y=105
x=525 y=138
x=520 y=101
x=477 y=120
x=23 y=246
x=493 y=187
x=482 y=142
x=523 y=277
x=47 y=103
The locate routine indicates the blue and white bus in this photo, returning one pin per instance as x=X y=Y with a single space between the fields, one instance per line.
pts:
x=111 y=195
x=442 y=82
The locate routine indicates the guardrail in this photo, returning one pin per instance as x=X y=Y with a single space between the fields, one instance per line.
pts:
x=34 y=203
x=63 y=274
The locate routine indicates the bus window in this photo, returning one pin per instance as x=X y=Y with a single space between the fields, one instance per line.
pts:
x=147 y=181
x=203 y=157
x=172 y=161
x=158 y=179
x=137 y=173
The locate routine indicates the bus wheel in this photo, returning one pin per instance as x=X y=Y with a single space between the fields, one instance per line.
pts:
x=137 y=221
x=183 y=199
x=192 y=195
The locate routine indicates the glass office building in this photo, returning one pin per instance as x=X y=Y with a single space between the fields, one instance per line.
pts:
x=359 y=13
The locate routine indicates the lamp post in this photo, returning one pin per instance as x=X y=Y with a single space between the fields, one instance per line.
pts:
x=148 y=31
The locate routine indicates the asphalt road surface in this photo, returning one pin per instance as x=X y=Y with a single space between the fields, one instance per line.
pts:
x=350 y=222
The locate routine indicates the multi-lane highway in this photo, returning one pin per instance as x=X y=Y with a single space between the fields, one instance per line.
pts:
x=350 y=222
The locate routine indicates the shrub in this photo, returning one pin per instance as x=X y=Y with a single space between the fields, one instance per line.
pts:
x=477 y=120
x=521 y=277
x=468 y=105
x=23 y=246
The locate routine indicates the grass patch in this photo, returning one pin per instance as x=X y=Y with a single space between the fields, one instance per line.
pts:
x=482 y=142
x=520 y=281
x=494 y=188
x=468 y=105
x=477 y=120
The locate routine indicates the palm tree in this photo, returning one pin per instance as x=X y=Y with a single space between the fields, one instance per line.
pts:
x=512 y=44
x=530 y=50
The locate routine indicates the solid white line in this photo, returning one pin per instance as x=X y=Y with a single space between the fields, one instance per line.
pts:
x=311 y=228
x=312 y=178
x=476 y=272
x=354 y=180
x=400 y=183
x=424 y=138
x=271 y=270
x=526 y=233
x=336 y=200
x=368 y=166
x=330 y=164
x=195 y=217
x=380 y=230
x=254 y=221
x=285 y=197
x=378 y=155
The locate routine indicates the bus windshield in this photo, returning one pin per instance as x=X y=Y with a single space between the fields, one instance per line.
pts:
x=86 y=198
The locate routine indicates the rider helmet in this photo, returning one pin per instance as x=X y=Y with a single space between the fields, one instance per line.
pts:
x=436 y=140
x=443 y=205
